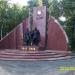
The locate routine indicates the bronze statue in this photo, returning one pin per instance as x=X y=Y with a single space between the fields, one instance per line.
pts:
x=35 y=36
x=27 y=37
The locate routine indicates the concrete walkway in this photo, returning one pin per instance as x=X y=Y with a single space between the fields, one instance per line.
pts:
x=36 y=67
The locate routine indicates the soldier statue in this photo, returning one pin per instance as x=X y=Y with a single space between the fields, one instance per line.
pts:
x=32 y=38
x=35 y=36
x=27 y=39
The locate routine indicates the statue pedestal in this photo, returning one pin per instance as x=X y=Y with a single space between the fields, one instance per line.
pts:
x=30 y=48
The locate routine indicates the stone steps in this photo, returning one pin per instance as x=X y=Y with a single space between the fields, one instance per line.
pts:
x=31 y=55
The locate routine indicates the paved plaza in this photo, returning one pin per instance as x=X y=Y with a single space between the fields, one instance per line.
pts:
x=36 y=67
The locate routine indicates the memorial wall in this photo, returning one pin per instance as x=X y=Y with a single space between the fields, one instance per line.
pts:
x=56 y=36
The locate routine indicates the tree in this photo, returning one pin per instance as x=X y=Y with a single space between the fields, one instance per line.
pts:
x=10 y=16
x=54 y=8
x=70 y=29
x=69 y=12
x=68 y=7
x=3 y=17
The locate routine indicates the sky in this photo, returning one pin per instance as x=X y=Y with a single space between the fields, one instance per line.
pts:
x=62 y=18
x=21 y=2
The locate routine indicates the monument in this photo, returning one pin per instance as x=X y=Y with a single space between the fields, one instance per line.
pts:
x=52 y=35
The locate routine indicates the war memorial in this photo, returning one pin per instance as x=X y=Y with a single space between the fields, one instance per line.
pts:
x=38 y=37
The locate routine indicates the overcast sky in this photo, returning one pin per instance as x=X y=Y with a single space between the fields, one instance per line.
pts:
x=21 y=2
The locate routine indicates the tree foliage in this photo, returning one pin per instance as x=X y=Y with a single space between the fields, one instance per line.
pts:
x=70 y=29
x=68 y=8
x=69 y=12
x=10 y=16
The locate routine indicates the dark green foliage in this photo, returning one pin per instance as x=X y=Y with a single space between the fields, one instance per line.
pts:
x=69 y=12
x=68 y=7
x=70 y=29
